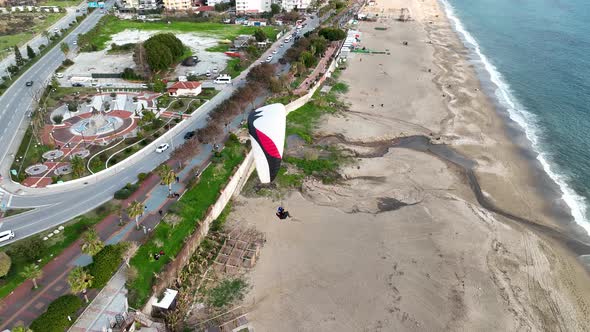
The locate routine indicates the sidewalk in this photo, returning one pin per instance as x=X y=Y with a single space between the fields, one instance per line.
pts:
x=24 y=304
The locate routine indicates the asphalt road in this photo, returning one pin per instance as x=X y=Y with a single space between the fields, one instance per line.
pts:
x=58 y=205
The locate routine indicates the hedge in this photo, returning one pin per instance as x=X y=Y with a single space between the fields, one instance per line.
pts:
x=126 y=191
x=105 y=263
x=56 y=316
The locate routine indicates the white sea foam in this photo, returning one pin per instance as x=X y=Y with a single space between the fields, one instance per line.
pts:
x=526 y=120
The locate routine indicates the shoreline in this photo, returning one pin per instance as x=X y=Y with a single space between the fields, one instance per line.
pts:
x=562 y=202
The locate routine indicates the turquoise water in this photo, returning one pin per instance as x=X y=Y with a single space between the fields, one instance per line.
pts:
x=536 y=56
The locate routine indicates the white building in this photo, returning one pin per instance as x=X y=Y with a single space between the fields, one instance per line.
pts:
x=289 y=5
x=253 y=6
x=185 y=89
x=177 y=4
x=214 y=2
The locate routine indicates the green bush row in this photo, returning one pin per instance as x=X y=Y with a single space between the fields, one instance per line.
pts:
x=55 y=319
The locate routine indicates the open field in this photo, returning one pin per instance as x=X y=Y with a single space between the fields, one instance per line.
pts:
x=60 y=3
x=111 y=25
x=18 y=29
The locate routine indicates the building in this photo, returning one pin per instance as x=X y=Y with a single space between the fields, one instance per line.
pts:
x=289 y=5
x=142 y=4
x=185 y=89
x=253 y=6
x=177 y=4
x=214 y=2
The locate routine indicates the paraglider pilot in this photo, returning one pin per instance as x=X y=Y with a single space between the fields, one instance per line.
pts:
x=282 y=214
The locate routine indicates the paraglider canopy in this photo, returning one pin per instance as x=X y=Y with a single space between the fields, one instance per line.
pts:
x=266 y=126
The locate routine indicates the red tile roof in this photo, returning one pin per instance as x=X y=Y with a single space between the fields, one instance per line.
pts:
x=185 y=85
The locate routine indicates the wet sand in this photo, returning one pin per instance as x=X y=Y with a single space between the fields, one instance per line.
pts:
x=404 y=243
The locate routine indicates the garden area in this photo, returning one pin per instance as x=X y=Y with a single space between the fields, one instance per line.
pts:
x=34 y=252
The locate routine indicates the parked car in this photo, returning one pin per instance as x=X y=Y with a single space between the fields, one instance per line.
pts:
x=162 y=147
x=6 y=235
x=74 y=42
x=269 y=58
x=189 y=134
x=275 y=52
x=59 y=75
x=77 y=84
x=29 y=83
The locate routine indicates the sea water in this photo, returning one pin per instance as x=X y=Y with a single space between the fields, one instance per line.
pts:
x=536 y=56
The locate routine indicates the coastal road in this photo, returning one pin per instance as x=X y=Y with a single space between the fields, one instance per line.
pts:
x=62 y=23
x=54 y=206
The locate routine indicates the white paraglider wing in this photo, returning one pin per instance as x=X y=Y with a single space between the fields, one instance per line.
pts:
x=266 y=126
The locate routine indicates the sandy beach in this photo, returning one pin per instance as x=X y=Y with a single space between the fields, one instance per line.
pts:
x=402 y=244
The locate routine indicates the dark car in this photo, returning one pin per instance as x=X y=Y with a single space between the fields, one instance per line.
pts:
x=29 y=83
x=189 y=134
x=76 y=84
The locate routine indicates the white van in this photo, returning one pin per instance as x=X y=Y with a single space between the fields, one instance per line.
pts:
x=223 y=79
x=6 y=235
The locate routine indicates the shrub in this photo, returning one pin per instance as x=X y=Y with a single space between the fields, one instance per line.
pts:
x=5 y=263
x=142 y=176
x=67 y=63
x=29 y=249
x=56 y=316
x=57 y=119
x=126 y=191
x=105 y=263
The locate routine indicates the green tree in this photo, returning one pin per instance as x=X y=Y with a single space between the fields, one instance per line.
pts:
x=158 y=85
x=77 y=166
x=260 y=35
x=5 y=263
x=168 y=176
x=21 y=328
x=65 y=49
x=32 y=272
x=30 y=53
x=46 y=34
x=135 y=210
x=308 y=59
x=162 y=50
x=73 y=106
x=275 y=8
x=18 y=58
x=91 y=242
x=80 y=280
x=332 y=34
x=29 y=249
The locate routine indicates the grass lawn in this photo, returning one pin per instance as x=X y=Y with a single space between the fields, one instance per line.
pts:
x=110 y=25
x=219 y=48
x=31 y=150
x=55 y=246
x=233 y=67
x=28 y=33
x=191 y=208
x=61 y=3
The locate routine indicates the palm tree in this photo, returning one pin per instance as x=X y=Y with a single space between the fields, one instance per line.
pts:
x=91 y=243
x=80 y=280
x=21 y=328
x=168 y=176
x=135 y=210
x=65 y=49
x=46 y=34
x=130 y=251
x=77 y=166
x=32 y=272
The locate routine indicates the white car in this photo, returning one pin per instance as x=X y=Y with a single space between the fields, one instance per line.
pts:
x=162 y=147
x=74 y=42
x=59 y=75
x=275 y=52
x=281 y=45
x=6 y=235
x=269 y=58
